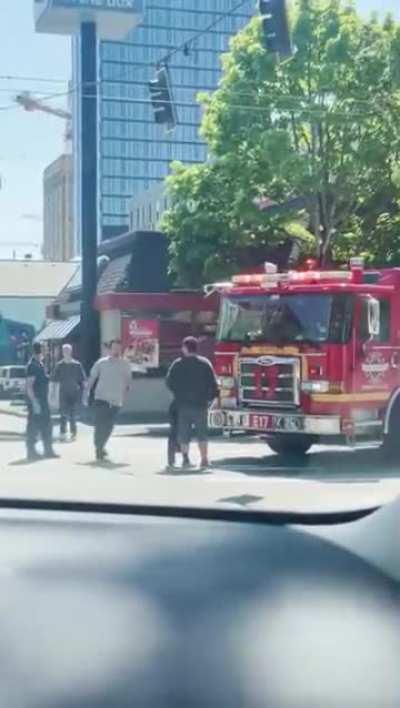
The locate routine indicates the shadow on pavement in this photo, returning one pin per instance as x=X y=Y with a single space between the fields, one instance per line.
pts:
x=23 y=463
x=184 y=473
x=327 y=466
x=143 y=432
x=11 y=437
x=103 y=465
x=242 y=500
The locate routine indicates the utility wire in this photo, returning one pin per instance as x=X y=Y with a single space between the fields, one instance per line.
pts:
x=303 y=104
x=251 y=94
x=36 y=79
x=186 y=44
x=302 y=108
x=163 y=60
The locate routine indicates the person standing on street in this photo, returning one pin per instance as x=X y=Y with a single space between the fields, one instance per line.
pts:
x=39 y=418
x=193 y=383
x=111 y=378
x=70 y=376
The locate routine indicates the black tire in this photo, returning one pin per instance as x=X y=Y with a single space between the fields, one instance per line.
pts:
x=391 y=441
x=290 y=445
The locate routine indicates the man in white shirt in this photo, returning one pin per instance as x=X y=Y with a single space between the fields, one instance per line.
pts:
x=112 y=379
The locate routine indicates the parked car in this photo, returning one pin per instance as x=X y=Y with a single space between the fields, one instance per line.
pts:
x=12 y=381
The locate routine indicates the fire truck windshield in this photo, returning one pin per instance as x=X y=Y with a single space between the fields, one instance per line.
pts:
x=276 y=318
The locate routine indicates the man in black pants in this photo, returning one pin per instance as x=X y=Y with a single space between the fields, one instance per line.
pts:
x=173 y=444
x=112 y=379
x=193 y=383
x=39 y=418
x=70 y=376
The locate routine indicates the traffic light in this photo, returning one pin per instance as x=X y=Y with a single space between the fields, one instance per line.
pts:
x=161 y=98
x=275 y=26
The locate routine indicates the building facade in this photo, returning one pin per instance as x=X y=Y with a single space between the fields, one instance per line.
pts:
x=58 y=234
x=147 y=207
x=134 y=152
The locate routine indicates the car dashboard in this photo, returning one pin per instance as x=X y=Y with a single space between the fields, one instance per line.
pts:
x=113 y=610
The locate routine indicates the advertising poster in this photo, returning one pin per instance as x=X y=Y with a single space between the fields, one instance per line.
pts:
x=141 y=343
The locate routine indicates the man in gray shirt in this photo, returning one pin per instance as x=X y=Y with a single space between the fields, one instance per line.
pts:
x=70 y=376
x=111 y=378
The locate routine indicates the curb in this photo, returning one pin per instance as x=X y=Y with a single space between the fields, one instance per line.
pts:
x=13 y=413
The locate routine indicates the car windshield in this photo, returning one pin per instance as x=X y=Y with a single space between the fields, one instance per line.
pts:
x=178 y=170
x=17 y=372
x=285 y=318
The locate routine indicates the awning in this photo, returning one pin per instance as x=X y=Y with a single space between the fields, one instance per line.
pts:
x=57 y=330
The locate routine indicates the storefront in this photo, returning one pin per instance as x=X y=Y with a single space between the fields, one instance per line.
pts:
x=54 y=335
x=152 y=325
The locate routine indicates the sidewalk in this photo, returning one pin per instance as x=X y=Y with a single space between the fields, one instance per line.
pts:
x=16 y=409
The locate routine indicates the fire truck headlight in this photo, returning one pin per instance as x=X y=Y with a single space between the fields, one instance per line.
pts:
x=216 y=419
x=315 y=386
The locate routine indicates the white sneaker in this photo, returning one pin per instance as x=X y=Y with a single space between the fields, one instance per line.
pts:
x=63 y=437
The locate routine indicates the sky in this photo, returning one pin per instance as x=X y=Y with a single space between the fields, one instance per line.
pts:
x=30 y=141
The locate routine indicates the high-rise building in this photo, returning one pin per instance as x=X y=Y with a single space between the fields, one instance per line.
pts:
x=58 y=237
x=134 y=152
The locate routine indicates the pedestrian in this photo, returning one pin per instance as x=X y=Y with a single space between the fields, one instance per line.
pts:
x=70 y=377
x=39 y=418
x=111 y=379
x=193 y=383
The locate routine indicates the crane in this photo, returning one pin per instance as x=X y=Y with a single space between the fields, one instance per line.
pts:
x=30 y=103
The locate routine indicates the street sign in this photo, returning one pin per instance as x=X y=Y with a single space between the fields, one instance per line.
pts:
x=113 y=18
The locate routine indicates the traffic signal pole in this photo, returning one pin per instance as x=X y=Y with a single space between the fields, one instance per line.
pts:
x=90 y=338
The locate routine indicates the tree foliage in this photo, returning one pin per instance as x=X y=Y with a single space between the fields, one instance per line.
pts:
x=322 y=124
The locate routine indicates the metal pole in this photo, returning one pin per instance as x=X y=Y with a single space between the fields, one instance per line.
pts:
x=88 y=98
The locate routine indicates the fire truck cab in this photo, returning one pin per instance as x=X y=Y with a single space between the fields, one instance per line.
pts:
x=310 y=356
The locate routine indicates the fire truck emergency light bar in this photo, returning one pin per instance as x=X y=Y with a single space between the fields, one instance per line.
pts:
x=271 y=277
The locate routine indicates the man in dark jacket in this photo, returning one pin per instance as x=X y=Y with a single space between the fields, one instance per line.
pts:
x=39 y=418
x=194 y=386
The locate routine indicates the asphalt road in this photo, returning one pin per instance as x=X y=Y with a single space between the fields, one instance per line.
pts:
x=243 y=473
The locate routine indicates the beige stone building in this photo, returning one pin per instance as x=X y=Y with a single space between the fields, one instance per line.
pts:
x=58 y=236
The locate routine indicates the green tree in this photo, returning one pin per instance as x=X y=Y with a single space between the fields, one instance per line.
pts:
x=322 y=124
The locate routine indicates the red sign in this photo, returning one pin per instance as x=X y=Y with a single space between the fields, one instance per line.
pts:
x=141 y=344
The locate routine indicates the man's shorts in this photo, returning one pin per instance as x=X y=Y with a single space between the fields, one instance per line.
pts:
x=192 y=422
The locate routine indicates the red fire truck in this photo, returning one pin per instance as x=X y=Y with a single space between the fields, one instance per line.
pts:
x=310 y=356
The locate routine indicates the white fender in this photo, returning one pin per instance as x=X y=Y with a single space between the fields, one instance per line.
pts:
x=395 y=396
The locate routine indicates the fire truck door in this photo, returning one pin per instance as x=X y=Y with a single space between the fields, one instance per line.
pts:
x=376 y=359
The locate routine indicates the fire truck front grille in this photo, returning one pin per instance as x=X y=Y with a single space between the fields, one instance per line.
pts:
x=270 y=381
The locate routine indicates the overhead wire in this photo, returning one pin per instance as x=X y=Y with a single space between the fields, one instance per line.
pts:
x=302 y=108
x=186 y=43
x=182 y=47
x=36 y=79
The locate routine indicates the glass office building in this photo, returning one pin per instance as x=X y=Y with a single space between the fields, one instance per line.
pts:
x=135 y=152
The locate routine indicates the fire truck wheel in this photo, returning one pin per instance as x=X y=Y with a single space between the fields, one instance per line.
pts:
x=391 y=444
x=289 y=445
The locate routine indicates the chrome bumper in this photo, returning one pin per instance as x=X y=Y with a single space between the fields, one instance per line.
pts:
x=274 y=422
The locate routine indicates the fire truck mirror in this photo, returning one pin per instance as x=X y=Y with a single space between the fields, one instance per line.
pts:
x=374 y=317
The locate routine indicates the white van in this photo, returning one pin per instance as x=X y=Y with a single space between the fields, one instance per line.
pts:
x=12 y=381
